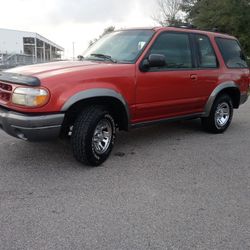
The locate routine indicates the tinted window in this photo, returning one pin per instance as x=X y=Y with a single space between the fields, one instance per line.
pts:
x=232 y=53
x=176 y=48
x=206 y=55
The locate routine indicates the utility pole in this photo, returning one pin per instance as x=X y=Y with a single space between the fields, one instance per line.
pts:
x=73 y=51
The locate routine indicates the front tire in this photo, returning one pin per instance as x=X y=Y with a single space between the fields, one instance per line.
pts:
x=220 y=116
x=93 y=136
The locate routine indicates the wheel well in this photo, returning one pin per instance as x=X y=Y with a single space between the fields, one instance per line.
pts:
x=234 y=93
x=114 y=106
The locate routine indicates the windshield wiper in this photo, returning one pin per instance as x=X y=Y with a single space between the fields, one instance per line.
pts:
x=104 y=57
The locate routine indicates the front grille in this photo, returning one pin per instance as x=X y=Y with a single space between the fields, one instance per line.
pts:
x=5 y=92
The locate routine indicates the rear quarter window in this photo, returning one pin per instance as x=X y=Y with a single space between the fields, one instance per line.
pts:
x=231 y=53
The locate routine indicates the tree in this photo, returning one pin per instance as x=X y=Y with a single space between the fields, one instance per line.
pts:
x=169 y=12
x=187 y=5
x=106 y=31
x=228 y=16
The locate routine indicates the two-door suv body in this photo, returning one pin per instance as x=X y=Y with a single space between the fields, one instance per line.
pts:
x=127 y=79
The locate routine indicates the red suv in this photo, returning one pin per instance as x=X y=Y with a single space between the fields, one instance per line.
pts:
x=129 y=78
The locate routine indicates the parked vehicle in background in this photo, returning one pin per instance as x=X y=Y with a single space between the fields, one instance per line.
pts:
x=129 y=78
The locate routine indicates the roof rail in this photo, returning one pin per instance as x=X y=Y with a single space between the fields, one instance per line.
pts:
x=191 y=26
x=184 y=26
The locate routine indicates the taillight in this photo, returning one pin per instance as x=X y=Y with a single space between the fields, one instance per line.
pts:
x=249 y=85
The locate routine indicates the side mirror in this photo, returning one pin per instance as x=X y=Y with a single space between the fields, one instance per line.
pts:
x=154 y=60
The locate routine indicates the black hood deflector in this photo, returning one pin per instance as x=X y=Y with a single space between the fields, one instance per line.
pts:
x=19 y=79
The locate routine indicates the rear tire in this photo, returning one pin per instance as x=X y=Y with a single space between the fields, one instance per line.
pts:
x=220 y=116
x=93 y=136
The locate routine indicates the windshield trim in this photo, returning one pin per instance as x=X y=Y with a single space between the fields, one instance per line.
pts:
x=139 y=54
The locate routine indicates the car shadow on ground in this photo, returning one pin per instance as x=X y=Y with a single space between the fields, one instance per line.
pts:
x=159 y=132
x=58 y=154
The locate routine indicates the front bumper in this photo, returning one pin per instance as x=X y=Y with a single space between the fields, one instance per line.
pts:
x=30 y=127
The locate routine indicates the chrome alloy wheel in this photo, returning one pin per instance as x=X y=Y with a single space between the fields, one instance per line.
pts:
x=102 y=136
x=222 y=115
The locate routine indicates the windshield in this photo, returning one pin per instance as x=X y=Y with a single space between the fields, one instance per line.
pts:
x=120 y=46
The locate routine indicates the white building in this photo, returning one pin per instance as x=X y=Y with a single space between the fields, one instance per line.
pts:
x=21 y=47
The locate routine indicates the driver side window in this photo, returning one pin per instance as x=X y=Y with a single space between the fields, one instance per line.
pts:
x=176 y=48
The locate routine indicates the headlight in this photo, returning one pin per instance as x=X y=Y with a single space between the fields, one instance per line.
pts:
x=30 y=97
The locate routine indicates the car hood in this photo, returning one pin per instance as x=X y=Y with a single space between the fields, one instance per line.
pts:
x=45 y=70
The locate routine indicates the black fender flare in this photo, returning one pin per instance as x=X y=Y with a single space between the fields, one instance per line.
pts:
x=95 y=93
x=214 y=94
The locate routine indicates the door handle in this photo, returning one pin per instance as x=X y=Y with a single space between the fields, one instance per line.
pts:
x=193 y=77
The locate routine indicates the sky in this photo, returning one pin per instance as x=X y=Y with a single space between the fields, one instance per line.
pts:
x=75 y=21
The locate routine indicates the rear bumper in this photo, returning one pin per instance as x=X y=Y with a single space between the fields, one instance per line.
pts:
x=30 y=127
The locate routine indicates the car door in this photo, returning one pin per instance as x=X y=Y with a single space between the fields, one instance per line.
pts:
x=208 y=68
x=170 y=90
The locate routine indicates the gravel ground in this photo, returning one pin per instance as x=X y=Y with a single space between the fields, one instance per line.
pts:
x=164 y=187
